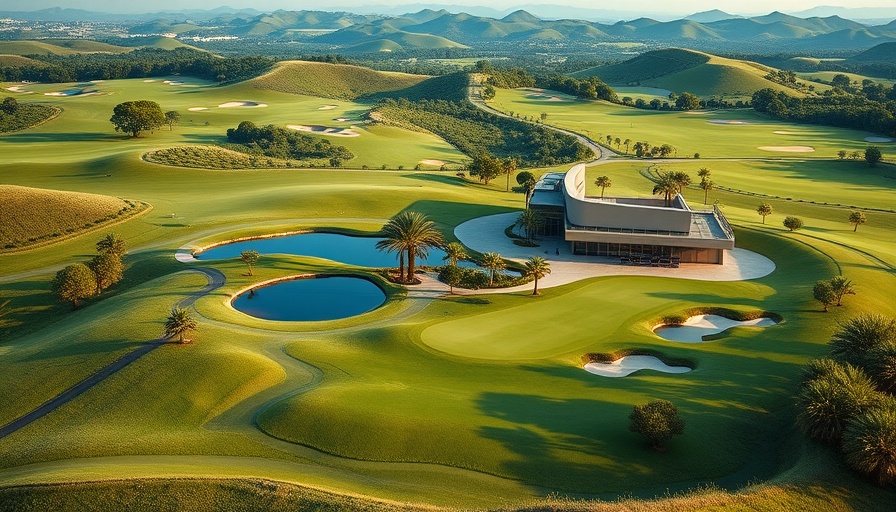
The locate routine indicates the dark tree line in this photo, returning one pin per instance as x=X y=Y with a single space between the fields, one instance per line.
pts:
x=275 y=142
x=592 y=88
x=844 y=109
x=141 y=63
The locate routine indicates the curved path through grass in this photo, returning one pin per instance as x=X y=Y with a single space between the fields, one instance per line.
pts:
x=215 y=281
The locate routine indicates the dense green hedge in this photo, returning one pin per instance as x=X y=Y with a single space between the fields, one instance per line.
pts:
x=25 y=116
x=275 y=142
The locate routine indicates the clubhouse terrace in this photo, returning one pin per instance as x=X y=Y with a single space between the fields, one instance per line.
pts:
x=634 y=229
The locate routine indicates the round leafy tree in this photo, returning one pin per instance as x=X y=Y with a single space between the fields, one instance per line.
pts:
x=658 y=421
x=74 y=283
x=872 y=155
x=793 y=223
x=134 y=117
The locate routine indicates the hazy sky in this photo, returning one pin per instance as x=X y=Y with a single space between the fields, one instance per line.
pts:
x=680 y=6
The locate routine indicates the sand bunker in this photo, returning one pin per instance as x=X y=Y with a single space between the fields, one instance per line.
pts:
x=70 y=92
x=148 y=81
x=327 y=107
x=696 y=327
x=699 y=113
x=17 y=88
x=791 y=132
x=173 y=82
x=246 y=104
x=197 y=109
x=433 y=162
x=543 y=97
x=735 y=122
x=342 y=119
x=324 y=130
x=878 y=139
x=788 y=149
x=628 y=365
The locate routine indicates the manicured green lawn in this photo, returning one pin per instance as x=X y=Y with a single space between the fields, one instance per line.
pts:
x=689 y=132
x=469 y=402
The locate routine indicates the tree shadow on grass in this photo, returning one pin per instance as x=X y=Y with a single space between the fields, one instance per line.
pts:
x=22 y=138
x=437 y=178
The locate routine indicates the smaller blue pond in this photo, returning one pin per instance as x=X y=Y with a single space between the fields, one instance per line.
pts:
x=311 y=299
x=352 y=250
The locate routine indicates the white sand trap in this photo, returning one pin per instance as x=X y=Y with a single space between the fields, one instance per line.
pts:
x=791 y=132
x=733 y=122
x=544 y=97
x=628 y=365
x=197 y=109
x=324 y=130
x=148 y=81
x=327 y=107
x=878 y=139
x=432 y=162
x=17 y=88
x=342 y=119
x=246 y=104
x=696 y=327
x=173 y=82
x=699 y=113
x=788 y=149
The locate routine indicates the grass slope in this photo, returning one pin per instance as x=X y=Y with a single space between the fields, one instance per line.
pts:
x=338 y=81
x=32 y=215
x=59 y=47
x=17 y=60
x=681 y=70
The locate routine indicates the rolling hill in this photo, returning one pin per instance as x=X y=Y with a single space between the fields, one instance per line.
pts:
x=884 y=52
x=58 y=47
x=18 y=60
x=682 y=70
x=338 y=81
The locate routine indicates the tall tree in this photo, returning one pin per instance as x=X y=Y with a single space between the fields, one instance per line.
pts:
x=508 y=167
x=134 y=117
x=108 y=270
x=603 y=182
x=666 y=186
x=765 y=210
x=706 y=184
x=841 y=286
x=413 y=233
x=529 y=220
x=454 y=252
x=486 y=167
x=172 y=117
x=180 y=323
x=111 y=244
x=494 y=263
x=823 y=293
x=74 y=283
x=537 y=267
x=857 y=217
x=250 y=258
x=526 y=180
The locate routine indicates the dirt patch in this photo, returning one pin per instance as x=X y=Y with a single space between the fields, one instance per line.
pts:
x=324 y=130
x=788 y=149
x=244 y=104
x=878 y=139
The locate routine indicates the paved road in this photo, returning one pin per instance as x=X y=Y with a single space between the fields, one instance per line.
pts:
x=215 y=281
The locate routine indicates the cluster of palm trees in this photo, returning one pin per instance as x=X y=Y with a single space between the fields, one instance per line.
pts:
x=411 y=235
x=849 y=399
x=669 y=184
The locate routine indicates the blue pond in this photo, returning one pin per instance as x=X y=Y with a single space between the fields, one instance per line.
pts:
x=352 y=250
x=311 y=299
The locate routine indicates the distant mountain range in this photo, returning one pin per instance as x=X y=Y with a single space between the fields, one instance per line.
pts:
x=429 y=28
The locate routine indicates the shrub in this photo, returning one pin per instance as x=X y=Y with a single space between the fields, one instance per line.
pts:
x=793 y=223
x=658 y=421
x=869 y=443
x=858 y=336
x=828 y=401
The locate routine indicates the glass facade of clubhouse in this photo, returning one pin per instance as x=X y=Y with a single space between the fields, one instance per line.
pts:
x=629 y=228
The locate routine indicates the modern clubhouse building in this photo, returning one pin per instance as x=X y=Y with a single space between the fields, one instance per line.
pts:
x=628 y=227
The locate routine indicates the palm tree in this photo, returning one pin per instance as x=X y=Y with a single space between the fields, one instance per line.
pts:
x=628 y=143
x=453 y=252
x=111 y=244
x=704 y=173
x=603 y=182
x=857 y=218
x=841 y=286
x=765 y=210
x=529 y=220
x=665 y=186
x=494 y=263
x=681 y=180
x=830 y=401
x=869 y=443
x=508 y=166
x=706 y=185
x=537 y=267
x=180 y=323
x=412 y=233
